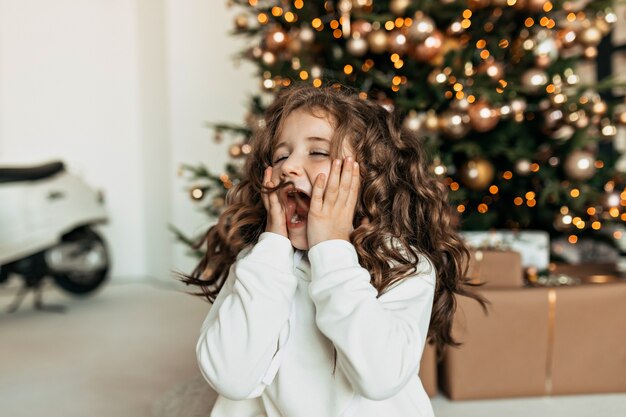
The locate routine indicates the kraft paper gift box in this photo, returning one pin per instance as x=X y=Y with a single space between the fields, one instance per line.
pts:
x=539 y=341
x=428 y=370
x=532 y=245
x=496 y=268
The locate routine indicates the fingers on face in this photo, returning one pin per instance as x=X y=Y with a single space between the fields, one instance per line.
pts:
x=345 y=185
x=317 y=196
x=355 y=185
x=332 y=188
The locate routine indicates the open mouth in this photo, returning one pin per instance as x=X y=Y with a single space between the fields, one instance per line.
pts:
x=297 y=207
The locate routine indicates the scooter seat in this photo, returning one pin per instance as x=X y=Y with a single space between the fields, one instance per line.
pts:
x=30 y=173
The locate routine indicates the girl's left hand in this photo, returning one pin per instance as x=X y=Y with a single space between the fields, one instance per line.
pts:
x=331 y=211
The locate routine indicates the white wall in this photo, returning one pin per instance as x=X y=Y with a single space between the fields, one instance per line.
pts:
x=120 y=90
x=204 y=86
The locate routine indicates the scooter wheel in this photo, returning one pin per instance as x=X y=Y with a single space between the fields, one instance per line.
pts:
x=84 y=264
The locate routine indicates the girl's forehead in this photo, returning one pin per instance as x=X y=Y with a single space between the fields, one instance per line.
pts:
x=304 y=122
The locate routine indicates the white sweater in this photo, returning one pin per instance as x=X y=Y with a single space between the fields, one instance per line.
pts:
x=266 y=345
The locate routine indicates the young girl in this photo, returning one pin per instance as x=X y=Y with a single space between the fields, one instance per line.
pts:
x=333 y=262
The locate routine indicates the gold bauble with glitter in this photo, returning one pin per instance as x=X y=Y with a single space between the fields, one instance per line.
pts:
x=397 y=42
x=566 y=37
x=356 y=45
x=534 y=79
x=362 y=27
x=377 y=41
x=454 y=123
x=483 y=117
x=494 y=69
x=306 y=35
x=431 y=121
x=398 y=7
x=535 y=6
x=276 y=40
x=429 y=48
x=546 y=51
x=478 y=4
x=590 y=36
x=476 y=174
x=422 y=27
x=414 y=121
x=580 y=165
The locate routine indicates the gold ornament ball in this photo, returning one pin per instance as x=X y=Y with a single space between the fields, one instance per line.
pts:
x=241 y=21
x=590 y=52
x=276 y=40
x=397 y=42
x=495 y=70
x=429 y=48
x=306 y=35
x=590 y=36
x=562 y=221
x=567 y=37
x=520 y=4
x=534 y=79
x=398 y=7
x=454 y=123
x=599 y=106
x=414 y=121
x=579 y=165
x=546 y=52
x=362 y=27
x=476 y=174
x=377 y=41
x=268 y=58
x=422 y=27
x=431 y=121
x=483 y=117
x=478 y=4
x=235 y=151
x=356 y=46
x=536 y=6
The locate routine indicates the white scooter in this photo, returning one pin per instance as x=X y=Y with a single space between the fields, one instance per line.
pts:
x=46 y=215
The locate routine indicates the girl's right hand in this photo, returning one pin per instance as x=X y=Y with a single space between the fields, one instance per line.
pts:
x=276 y=216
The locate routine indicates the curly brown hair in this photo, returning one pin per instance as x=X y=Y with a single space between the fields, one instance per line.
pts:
x=403 y=201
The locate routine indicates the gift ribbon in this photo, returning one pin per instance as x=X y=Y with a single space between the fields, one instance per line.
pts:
x=551 y=326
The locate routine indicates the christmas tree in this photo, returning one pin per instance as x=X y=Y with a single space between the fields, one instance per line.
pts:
x=491 y=86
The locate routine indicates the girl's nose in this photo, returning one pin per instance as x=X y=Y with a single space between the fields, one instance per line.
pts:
x=291 y=166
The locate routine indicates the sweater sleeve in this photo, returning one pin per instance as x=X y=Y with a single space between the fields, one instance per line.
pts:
x=238 y=349
x=379 y=340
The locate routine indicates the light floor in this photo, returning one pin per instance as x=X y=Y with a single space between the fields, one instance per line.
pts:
x=129 y=347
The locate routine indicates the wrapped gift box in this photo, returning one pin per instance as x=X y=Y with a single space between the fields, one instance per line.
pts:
x=428 y=370
x=590 y=272
x=533 y=245
x=539 y=341
x=496 y=268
